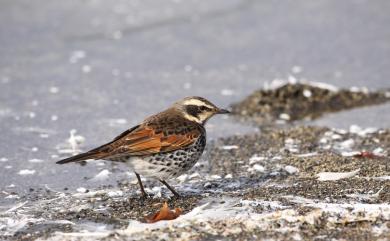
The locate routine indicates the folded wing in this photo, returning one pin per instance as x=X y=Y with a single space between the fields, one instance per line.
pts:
x=145 y=141
x=138 y=141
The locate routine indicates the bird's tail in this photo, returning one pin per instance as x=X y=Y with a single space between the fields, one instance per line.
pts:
x=80 y=157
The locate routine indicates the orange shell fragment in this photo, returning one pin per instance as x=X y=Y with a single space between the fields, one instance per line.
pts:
x=164 y=214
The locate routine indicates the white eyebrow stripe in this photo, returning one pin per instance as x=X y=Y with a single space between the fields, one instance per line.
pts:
x=197 y=103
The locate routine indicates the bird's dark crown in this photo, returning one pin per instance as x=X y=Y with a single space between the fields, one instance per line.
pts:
x=198 y=109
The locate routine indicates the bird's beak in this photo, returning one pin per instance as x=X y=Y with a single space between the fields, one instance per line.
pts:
x=223 y=111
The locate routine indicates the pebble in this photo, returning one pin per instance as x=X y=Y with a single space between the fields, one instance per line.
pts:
x=258 y=168
x=284 y=116
x=255 y=159
x=232 y=147
x=291 y=169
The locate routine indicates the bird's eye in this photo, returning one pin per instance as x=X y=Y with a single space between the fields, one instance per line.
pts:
x=203 y=108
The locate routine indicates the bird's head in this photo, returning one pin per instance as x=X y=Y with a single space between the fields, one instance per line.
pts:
x=198 y=109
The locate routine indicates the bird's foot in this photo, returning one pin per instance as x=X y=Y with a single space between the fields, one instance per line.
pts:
x=177 y=195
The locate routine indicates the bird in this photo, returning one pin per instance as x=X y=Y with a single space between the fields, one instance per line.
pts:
x=164 y=145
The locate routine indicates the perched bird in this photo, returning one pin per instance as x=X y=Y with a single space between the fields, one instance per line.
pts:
x=164 y=145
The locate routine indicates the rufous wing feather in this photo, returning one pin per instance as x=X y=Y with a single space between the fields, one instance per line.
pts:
x=142 y=140
x=145 y=140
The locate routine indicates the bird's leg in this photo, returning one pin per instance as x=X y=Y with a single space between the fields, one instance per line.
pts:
x=144 y=194
x=170 y=188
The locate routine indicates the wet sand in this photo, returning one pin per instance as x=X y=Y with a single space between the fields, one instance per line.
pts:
x=263 y=185
x=293 y=100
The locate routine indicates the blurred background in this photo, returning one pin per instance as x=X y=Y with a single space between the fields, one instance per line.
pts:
x=101 y=66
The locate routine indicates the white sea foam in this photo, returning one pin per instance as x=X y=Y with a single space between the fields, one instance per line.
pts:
x=26 y=172
x=35 y=160
x=101 y=176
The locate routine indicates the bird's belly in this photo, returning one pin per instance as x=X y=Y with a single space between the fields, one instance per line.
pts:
x=167 y=165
